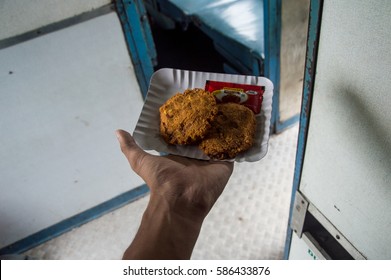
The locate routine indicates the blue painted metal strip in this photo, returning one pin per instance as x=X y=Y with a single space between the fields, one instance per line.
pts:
x=280 y=126
x=139 y=39
x=147 y=32
x=74 y=221
x=272 y=17
x=309 y=80
x=272 y=24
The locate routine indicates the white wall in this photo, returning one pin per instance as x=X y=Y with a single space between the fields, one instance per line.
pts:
x=20 y=16
x=62 y=96
x=347 y=164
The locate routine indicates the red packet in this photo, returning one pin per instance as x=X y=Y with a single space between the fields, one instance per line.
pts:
x=250 y=96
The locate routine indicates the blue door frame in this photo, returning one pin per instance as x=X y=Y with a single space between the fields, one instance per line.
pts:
x=309 y=80
x=272 y=25
x=138 y=36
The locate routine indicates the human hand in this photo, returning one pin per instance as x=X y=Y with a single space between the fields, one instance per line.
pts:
x=191 y=186
x=183 y=191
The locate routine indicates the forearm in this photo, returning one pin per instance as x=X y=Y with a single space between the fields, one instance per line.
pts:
x=164 y=233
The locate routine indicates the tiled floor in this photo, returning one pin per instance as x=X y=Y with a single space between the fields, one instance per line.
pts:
x=249 y=221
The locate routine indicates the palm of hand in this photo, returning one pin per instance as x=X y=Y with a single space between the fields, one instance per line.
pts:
x=191 y=183
x=183 y=182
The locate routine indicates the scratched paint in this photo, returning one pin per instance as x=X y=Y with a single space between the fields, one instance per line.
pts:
x=309 y=78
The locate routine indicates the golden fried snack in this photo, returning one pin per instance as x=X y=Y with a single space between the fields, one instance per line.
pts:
x=232 y=132
x=186 y=118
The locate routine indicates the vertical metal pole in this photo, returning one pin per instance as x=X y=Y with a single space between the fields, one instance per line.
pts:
x=272 y=25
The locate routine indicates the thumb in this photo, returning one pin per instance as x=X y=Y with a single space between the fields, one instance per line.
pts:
x=134 y=154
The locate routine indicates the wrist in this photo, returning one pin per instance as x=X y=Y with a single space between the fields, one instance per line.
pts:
x=173 y=213
x=164 y=233
x=189 y=201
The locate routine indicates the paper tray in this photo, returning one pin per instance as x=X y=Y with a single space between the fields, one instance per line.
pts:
x=167 y=82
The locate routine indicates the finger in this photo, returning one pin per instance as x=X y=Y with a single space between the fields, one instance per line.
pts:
x=134 y=154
